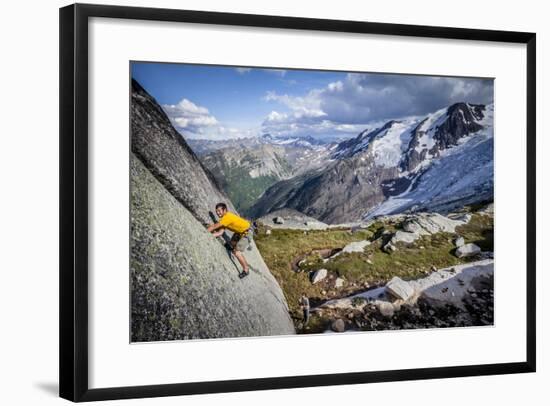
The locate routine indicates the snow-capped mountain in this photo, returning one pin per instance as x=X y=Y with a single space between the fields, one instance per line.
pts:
x=436 y=162
x=451 y=169
x=203 y=146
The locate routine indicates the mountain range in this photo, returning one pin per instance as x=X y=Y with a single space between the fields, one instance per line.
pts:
x=436 y=162
x=246 y=167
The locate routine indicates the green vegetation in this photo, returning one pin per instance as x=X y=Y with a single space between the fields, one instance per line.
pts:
x=479 y=231
x=283 y=246
x=358 y=301
x=372 y=267
x=235 y=180
x=242 y=189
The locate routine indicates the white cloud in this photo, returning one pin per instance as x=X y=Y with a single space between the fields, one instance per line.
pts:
x=278 y=72
x=194 y=121
x=186 y=116
x=361 y=99
x=242 y=71
x=309 y=105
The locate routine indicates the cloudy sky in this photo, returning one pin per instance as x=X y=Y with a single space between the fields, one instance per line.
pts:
x=214 y=102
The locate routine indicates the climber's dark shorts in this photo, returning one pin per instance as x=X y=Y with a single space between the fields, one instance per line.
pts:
x=240 y=242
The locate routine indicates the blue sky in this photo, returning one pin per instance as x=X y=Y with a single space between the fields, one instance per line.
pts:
x=217 y=102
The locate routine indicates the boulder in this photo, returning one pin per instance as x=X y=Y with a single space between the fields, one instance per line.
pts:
x=291 y=219
x=389 y=248
x=459 y=241
x=338 y=325
x=339 y=283
x=404 y=236
x=400 y=289
x=358 y=246
x=467 y=250
x=430 y=223
x=319 y=275
x=385 y=308
x=464 y=218
x=412 y=226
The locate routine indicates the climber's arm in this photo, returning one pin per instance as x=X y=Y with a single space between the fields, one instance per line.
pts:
x=219 y=232
x=216 y=229
x=213 y=227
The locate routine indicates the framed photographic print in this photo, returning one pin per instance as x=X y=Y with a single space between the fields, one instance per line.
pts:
x=243 y=195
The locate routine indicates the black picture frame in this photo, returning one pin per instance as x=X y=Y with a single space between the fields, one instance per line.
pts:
x=74 y=171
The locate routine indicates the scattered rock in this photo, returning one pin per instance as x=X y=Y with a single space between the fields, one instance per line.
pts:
x=488 y=210
x=404 y=236
x=358 y=246
x=319 y=275
x=338 y=325
x=267 y=232
x=459 y=241
x=369 y=261
x=389 y=248
x=339 y=282
x=400 y=289
x=467 y=250
x=412 y=226
x=291 y=219
x=463 y=217
x=385 y=308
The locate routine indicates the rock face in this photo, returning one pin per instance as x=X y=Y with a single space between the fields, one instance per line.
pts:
x=167 y=156
x=183 y=282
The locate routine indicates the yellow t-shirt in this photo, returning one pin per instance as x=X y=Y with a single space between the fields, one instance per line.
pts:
x=234 y=223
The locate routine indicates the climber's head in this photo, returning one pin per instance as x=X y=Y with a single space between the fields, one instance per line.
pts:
x=221 y=209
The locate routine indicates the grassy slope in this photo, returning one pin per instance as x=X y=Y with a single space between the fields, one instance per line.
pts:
x=372 y=267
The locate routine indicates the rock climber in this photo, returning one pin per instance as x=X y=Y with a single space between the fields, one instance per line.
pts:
x=242 y=234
